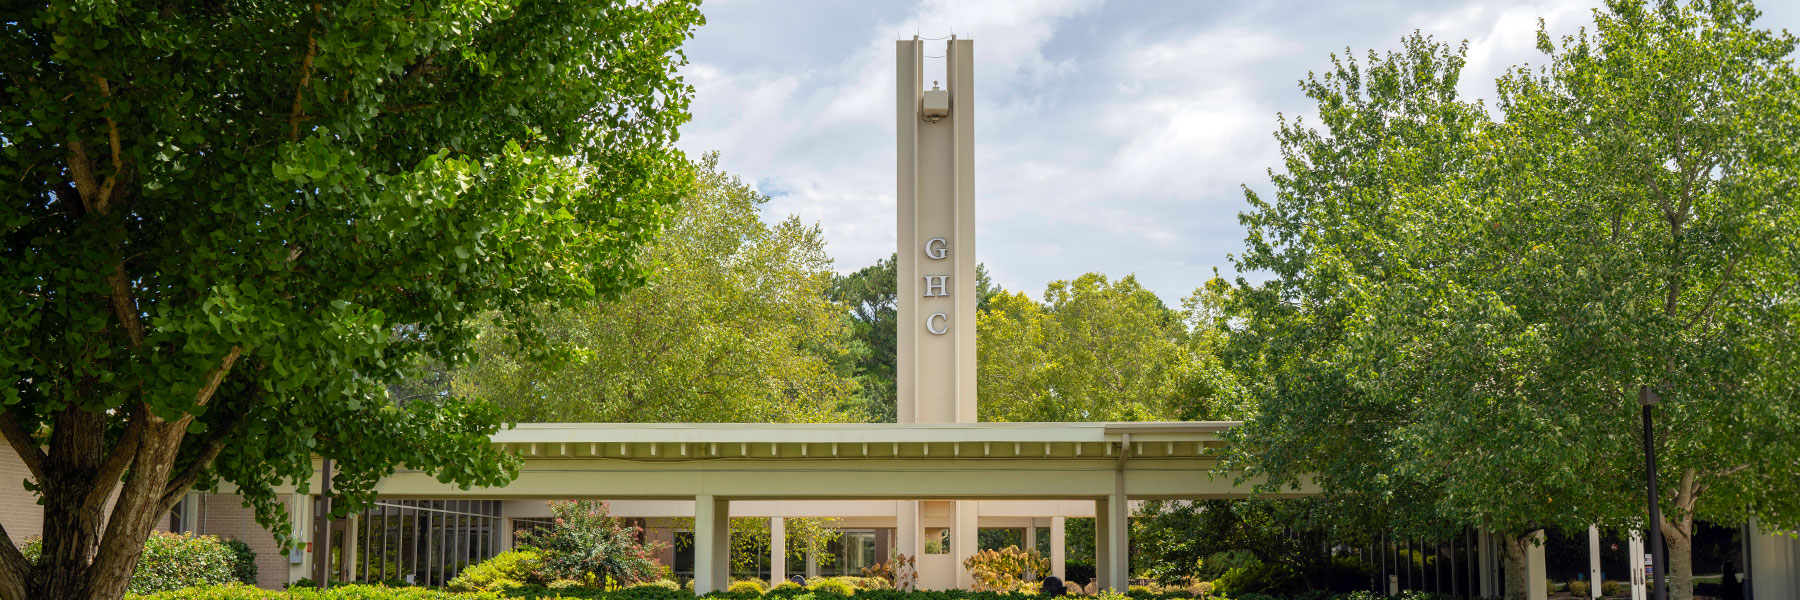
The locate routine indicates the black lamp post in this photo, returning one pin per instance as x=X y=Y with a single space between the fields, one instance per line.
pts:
x=1647 y=398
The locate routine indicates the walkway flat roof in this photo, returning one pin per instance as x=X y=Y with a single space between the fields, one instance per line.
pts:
x=818 y=461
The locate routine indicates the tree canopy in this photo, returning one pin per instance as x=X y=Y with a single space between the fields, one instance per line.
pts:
x=734 y=326
x=1462 y=309
x=227 y=226
x=1096 y=350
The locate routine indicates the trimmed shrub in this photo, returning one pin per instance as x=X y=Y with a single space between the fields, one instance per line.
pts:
x=172 y=561
x=243 y=563
x=1580 y=588
x=506 y=569
x=240 y=591
x=869 y=583
x=748 y=586
x=831 y=587
x=1263 y=578
x=1613 y=588
x=667 y=584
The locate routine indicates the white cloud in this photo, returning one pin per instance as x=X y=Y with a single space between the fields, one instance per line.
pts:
x=1110 y=137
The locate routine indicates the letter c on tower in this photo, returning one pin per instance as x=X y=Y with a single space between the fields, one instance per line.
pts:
x=941 y=329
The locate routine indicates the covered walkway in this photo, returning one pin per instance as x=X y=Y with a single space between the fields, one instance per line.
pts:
x=715 y=464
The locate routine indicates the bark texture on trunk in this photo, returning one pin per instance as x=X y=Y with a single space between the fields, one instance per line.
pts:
x=1678 y=536
x=1513 y=551
x=89 y=553
x=1681 y=567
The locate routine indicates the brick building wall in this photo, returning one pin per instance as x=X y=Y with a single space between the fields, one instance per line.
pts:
x=19 y=510
x=225 y=515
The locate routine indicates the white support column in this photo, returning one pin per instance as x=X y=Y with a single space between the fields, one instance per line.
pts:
x=963 y=540
x=777 y=550
x=712 y=544
x=1031 y=535
x=1489 y=586
x=1102 y=545
x=1634 y=562
x=1535 y=574
x=1119 y=529
x=908 y=534
x=1059 y=548
x=1773 y=564
x=1594 y=562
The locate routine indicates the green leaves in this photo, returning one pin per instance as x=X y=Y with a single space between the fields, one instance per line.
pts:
x=1461 y=311
x=735 y=327
x=329 y=194
x=1095 y=350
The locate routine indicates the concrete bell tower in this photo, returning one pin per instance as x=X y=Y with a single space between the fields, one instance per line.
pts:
x=935 y=148
x=935 y=152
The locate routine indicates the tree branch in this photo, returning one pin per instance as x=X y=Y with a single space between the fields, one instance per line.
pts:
x=104 y=199
x=217 y=376
x=116 y=461
x=1713 y=298
x=23 y=445
x=178 y=486
x=14 y=569
x=306 y=68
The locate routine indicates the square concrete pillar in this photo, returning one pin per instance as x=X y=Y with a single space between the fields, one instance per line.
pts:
x=1488 y=559
x=1059 y=548
x=1535 y=574
x=777 y=550
x=963 y=540
x=1773 y=564
x=1118 y=530
x=1102 y=545
x=712 y=544
x=1594 y=562
x=908 y=531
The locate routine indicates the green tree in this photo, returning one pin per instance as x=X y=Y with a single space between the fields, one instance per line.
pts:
x=872 y=298
x=734 y=327
x=1644 y=235
x=227 y=226
x=1095 y=350
x=1355 y=224
x=1464 y=311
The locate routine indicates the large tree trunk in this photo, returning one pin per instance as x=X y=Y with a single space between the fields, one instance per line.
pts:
x=1678 y=535
x=1514 y=552
x=1681 y=567
x=81 y=560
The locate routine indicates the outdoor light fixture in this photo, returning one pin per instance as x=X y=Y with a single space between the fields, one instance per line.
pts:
x=1647 y=398
x=935 y=105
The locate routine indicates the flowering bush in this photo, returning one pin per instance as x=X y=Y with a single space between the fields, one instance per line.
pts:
x=586 y=543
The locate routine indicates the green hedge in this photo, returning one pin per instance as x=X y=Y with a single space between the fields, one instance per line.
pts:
x=534 y=592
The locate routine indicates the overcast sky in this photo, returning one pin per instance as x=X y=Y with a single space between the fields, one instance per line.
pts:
x=1110 y=137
